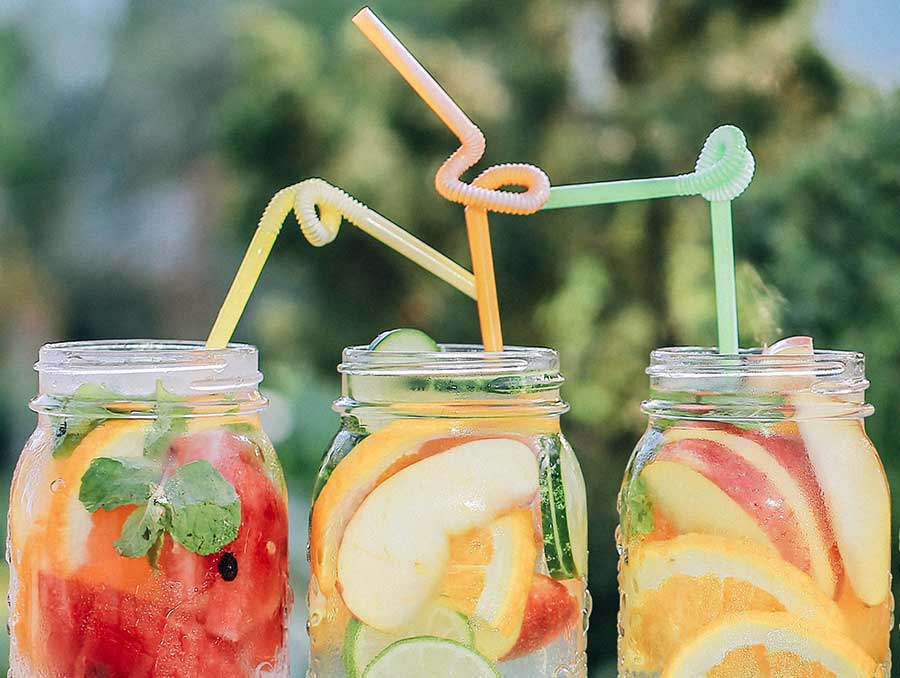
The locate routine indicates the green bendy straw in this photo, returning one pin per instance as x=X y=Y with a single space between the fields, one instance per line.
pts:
x=723 y=171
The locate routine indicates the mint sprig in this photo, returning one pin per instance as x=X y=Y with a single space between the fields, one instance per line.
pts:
x=83 y=411
x=171 y=422
x=195 y=504
x=141 y=531
x=638 y=509
x=204 y=511
x=113 y=482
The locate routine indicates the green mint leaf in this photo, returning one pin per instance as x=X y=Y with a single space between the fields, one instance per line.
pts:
x=170 y=422
x=70 y=431
x=639 y=508
x=164 y=395
x=156 y=549
x=85 y=409
x=95 y=392
x=164 y=430
x=110 y=483
x=204 y=511
x=141 y=532
x=242 y=428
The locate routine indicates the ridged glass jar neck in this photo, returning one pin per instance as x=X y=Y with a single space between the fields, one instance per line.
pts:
x=458 y=381
x=137 y=374
x=699 y=383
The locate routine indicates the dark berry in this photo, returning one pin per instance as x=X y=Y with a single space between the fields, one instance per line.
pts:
x=228 y=566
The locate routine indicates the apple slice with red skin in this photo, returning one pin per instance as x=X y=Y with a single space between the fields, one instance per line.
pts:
x=790 y=452
x=740 y=483
x=856 y=492
x=853 y=483
x=781 y=473
x=550 y=610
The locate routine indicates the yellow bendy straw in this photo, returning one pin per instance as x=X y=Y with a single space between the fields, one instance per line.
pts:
x=482 y=195
x=333 y=205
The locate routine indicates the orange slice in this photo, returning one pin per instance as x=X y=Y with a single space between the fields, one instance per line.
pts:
x=70 y=526
x=673 y=589
x=489 y=579
x=62 y=536
x=776 y=644
x=870 y=626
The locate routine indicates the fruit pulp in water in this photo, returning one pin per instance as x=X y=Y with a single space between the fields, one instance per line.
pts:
x=469 y=530
x=748 y=533
x=81 y=608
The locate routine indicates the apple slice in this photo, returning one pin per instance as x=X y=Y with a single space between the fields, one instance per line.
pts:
x=783 y=507
x=396 y=547
x=856 y=492
x=375 y=458
x=783 y=378
x=850 y=474
x=551 y=609
x=693 y=503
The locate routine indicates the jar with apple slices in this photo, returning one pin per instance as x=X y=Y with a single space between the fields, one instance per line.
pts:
x=755 y=520
x=448 y=533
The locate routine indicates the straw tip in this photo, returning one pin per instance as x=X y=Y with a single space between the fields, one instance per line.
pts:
x=364 y=13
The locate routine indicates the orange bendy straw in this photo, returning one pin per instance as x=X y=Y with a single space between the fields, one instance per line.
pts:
x=482 y=195
x=319 y=208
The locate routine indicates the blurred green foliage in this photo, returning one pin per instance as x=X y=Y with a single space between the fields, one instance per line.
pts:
x=128 y=192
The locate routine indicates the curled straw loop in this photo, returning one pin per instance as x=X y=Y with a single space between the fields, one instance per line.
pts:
x=320 y=208
x=449 y=185
x=447 y=180
x=321 y=227
x=478 y=230
x=724 y=169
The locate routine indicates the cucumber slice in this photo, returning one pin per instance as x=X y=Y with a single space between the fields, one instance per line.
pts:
x=432 y=657
x=563 y=510
x=576 y=507
x=363 y=643
x=404 y=340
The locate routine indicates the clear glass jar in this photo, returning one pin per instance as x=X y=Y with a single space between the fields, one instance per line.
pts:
x=755 y=520
x=148 y=524
x=449 y=526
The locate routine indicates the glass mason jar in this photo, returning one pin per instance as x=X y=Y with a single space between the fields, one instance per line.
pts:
x=148 y=525
x=755 y=520
x=448 y=533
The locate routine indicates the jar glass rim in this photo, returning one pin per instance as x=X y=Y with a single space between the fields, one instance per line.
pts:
x=108 y=355
x=697 y=382
x=706 y=362
x=137 y=367
x=458 y=359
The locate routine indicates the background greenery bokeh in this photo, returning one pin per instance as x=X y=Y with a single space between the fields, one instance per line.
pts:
x=132 y=177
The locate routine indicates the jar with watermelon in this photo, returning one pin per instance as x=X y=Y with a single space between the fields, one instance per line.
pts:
x=448 y=533
x=755 y=520
x=148 y=525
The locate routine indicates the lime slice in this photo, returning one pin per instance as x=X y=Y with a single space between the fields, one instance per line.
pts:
x=404 y=340
x=431 y=657
x=363 y=643
x=563 y=510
